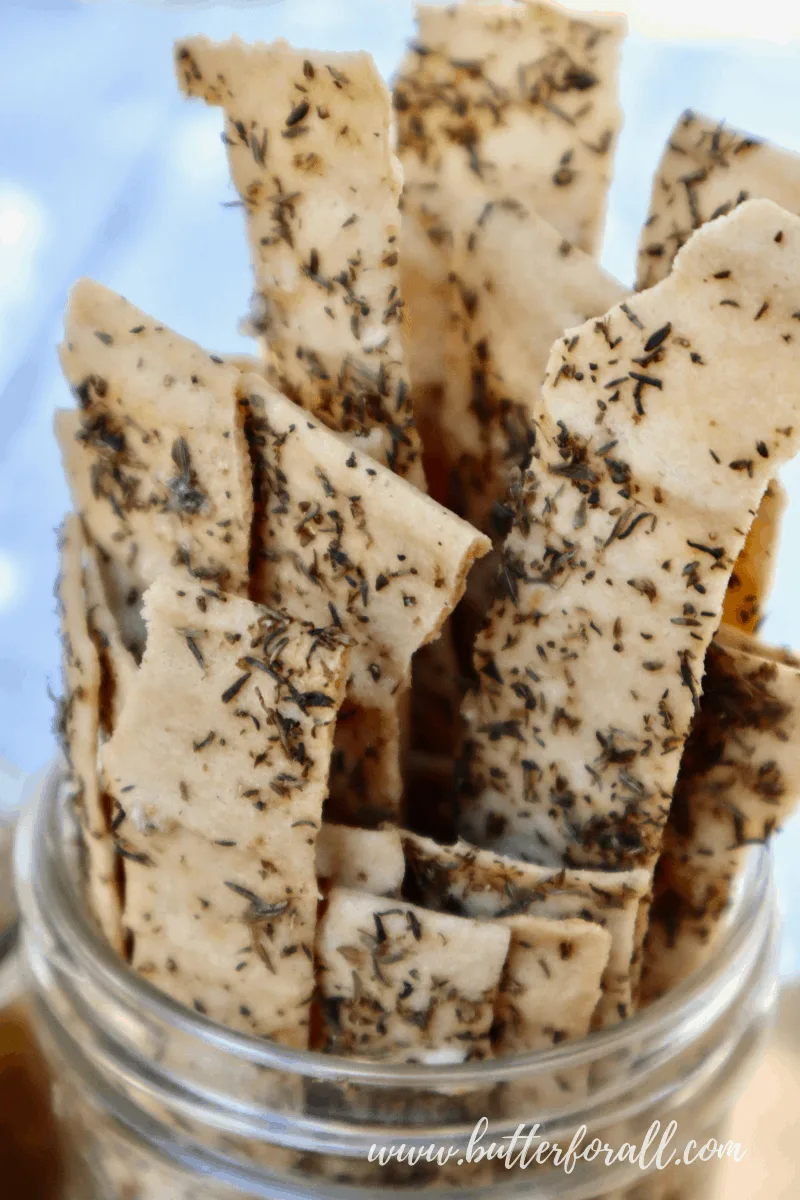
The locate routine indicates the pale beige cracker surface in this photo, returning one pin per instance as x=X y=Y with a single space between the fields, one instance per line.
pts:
x=405 y=983
x=162 y=442
x=477 y=883
x=367 y=860
x=551 y=983
x=214 y=928
x=517 y=100
x=652 y=457
x=739 y=782
x=706 y=170
x=751 y=579
x=309 y=147
x=518 y=284
x=79 y=728
x=226 y=735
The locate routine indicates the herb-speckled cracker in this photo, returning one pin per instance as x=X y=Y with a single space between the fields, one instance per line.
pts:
x=519 y=283
x=368 y=860
x=517 y=100
x=401 y=982
x=751 y=579
x=223 y=929
x=551 y=983
x=227 y=734
x=344 y=541
x=79 y=728
x=648 y=470
x=309 y=148
x=162 y=475
x=478 y=883
x=706 y=170
x=739 y=782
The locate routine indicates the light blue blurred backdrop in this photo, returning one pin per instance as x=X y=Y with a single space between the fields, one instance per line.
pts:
x=105 y=171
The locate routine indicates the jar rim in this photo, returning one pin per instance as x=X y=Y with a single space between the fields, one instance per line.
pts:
x=48 y=897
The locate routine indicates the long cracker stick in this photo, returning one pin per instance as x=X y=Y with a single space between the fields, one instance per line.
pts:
x=367 y=860
x=160 y=465
x=237 y=704
x=478 y=883
x=519 y=285
x=706 y=170
x=404 y=983
x=739 y=782
x=650 y=463
x=344 y=540
x=497 y=99
x=309 y=148
x=79 y=727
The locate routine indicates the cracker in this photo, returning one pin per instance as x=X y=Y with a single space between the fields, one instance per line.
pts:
x=650 y=463
x=366 y=780
x=706 y=170
x=751 y=580
x=163 y=443
x=477 y=883
x=367 y=860
x=309 y=147
x=518 y=284
x=227 y=735
x=551 y=984
x=516 y=100
x=79 y=728
x=404 y=983
x=212 y=930
x=739 y=782
x=342 y=539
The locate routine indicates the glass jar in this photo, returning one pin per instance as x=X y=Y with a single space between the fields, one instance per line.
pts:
x=156 y=1102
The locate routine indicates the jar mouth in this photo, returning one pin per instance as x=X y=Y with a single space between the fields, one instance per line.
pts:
x=50 y=903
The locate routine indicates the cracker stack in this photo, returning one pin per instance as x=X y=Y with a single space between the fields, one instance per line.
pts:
x=254 y=562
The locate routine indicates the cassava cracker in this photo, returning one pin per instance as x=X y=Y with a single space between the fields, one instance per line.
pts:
x=477 y=883
x=79 y=728
x=367 y=860
x=518 y=284
x=751 y=579
x=404 y=983
x=227 y=735
x=211 y=928
x=309 y=148
x=650 y=463
x=551 y=983
x=162 y=474
x=498 y=99
x=344 y=540
x=706 y=170
x=739 y=782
